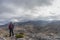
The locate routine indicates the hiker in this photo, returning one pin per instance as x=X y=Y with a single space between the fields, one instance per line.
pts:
x=11 y=27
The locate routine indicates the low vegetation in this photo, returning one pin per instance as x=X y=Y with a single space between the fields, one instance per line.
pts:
x=20 y=35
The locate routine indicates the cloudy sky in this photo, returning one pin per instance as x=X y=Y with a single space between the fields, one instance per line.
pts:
x=25 y=10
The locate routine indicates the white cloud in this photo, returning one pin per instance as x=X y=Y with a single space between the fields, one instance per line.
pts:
x=24 y=10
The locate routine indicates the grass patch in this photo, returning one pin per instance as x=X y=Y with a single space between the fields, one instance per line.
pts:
x=20 y=35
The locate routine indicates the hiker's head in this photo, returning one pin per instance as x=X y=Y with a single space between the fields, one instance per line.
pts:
x=10 y=22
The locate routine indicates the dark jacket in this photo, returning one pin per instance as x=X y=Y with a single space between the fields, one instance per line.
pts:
x=11 y=26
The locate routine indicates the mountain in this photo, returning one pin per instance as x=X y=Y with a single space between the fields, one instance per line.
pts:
x=5 y=25
x=34 y=23
x=54 y=26
x=37 y=23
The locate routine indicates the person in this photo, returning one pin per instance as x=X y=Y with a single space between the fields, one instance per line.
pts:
x=11 y=27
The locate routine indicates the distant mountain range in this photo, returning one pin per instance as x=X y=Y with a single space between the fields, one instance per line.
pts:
x=37 y=23
x=34 y=23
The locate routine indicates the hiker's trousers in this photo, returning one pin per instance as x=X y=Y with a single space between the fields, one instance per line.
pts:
x=11 y=32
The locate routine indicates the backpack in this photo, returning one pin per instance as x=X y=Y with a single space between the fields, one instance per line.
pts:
x=11 y=26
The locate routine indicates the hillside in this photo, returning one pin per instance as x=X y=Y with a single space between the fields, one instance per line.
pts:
x=34 y=30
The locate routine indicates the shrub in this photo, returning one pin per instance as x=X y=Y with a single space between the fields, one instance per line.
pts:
x=20 y=35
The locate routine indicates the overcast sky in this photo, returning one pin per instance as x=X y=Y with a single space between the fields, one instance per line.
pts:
x=25 y=10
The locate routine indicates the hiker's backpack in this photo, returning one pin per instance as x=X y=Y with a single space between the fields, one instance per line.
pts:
x=11 y=26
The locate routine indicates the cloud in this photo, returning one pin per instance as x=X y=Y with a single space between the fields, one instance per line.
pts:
x=24 y=10
x=29 y=3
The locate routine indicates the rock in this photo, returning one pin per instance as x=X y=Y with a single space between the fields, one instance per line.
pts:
x=20 y=39
x=2 y=38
